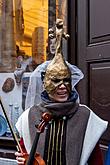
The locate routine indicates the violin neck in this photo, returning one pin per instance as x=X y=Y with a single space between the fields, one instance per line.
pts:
x=33 y=149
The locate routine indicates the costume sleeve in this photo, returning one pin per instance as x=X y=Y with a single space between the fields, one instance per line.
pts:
x=96 y=157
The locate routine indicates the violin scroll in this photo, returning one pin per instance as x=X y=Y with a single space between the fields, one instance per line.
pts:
x=46 y=117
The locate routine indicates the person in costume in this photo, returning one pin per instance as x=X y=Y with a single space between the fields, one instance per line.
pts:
x=72 y=134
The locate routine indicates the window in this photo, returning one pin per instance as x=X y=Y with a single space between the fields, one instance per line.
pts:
x=24 y=44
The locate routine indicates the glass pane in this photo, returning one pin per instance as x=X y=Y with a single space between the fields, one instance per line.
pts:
x=23 y=40
x=24 y=32
x=31 y=22
x=24 y=44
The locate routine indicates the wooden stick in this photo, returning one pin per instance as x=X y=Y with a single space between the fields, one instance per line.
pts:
x=11 y=128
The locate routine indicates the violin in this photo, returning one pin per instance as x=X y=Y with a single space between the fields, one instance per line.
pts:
x=46 y=117
x=33 y=158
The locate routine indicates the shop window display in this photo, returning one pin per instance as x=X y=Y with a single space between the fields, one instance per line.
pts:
x=24 y=44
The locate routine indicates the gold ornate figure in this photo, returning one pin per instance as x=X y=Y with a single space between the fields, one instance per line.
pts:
x=57 y=71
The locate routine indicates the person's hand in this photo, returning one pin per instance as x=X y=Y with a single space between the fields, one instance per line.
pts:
x=20 y=158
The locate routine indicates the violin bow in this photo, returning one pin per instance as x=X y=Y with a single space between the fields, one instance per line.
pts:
x=11 y=128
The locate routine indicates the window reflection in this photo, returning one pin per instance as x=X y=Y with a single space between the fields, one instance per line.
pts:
x=24 y=30
x=31 y=21
x=24 y=44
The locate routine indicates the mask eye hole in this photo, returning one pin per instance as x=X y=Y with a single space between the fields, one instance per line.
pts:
x=67 y=80
x=56 y=80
